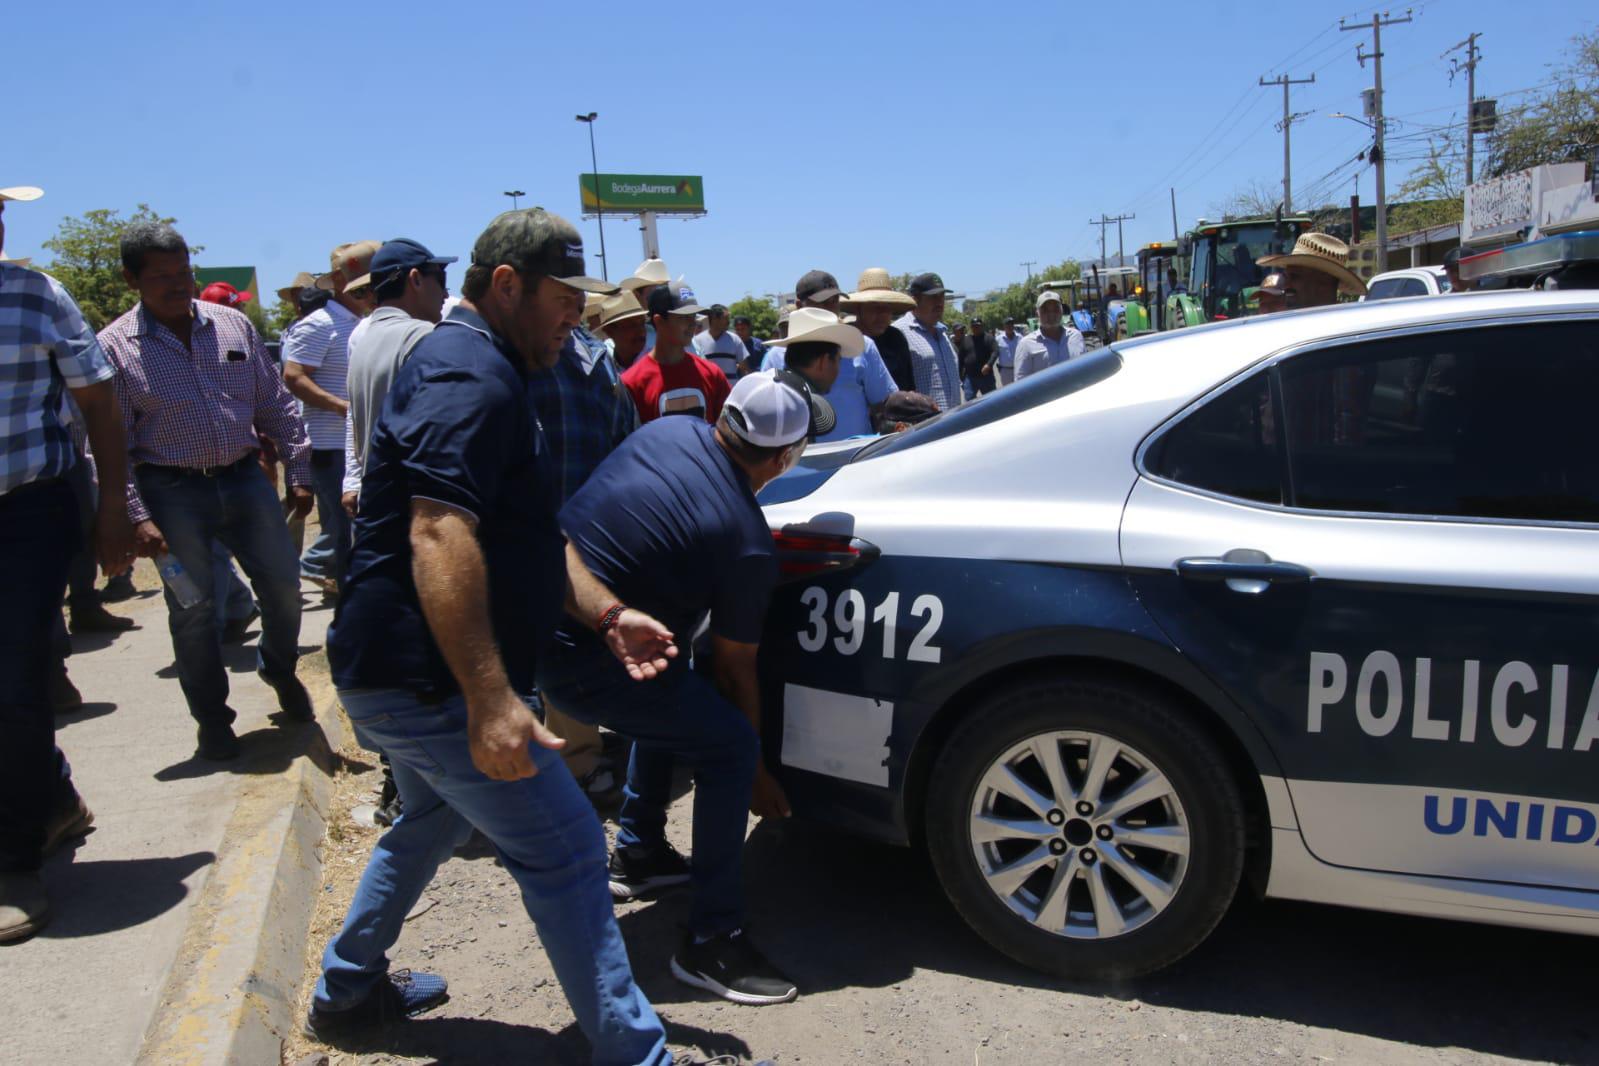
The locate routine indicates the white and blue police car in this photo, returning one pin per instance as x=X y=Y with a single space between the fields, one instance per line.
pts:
x=1309 y=600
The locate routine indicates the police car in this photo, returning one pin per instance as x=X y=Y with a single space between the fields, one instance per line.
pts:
x=1309 y=601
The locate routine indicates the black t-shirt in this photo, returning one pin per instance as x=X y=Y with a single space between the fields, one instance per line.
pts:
x=459 y=427
x=669 y=524
x=896 y=353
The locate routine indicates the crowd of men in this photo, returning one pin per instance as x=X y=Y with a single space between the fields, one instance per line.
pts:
x=521 y=544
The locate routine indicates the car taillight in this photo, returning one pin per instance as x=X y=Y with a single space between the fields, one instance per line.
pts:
x=805 y=554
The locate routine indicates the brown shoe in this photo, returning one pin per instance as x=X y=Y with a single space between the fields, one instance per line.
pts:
x=64 y=695
x=70 y=824
x=24 y=907
x=96 y=619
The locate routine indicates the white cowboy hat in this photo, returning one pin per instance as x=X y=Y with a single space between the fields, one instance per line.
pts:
x=649 y=272
x=874 y=287
x=21 y=192
x=1323 y=252
x=814 y=324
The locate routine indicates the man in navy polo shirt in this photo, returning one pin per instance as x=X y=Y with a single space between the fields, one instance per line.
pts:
x=670 y=523
x=458 y=499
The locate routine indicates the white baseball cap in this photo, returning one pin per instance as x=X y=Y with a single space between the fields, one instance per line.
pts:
x=1048 y=296
x=772 y=408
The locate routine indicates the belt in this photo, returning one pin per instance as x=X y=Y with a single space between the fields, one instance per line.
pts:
x=246 y=459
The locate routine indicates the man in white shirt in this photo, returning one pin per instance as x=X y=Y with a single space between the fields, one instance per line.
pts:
x=408 y=282
x=1054 y=341
x=1005 y=353
x=315 y=369
x=720 y=345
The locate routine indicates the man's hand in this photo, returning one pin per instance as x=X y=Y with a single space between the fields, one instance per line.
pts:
x=641 y=644
x=768 y=799
x=349 y=500
x=299 y=501
x=113 y=538
x=499 y=732
x=147 y=540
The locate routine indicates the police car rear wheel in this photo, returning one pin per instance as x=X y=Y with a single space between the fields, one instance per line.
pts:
x=1085 y=829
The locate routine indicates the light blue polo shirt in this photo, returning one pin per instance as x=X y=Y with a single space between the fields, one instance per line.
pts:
x=863 y=383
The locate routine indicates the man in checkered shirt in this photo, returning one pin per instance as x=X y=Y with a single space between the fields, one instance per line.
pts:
x=197 y=388
x=46 y=351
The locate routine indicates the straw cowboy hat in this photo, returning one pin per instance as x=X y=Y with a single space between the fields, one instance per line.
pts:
x=304 y=279
x=620 y=308
x=815 y=324
x=874 y=287
x=1323 y=252
x=21 y=193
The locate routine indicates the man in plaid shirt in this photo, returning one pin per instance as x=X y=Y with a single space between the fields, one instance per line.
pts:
x=585 y=412
x=198 y=391
x=46 y=351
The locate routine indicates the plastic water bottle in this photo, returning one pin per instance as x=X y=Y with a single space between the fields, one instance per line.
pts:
x=178 y=581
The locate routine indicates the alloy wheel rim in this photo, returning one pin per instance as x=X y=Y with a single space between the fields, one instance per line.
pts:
x=1080 y=834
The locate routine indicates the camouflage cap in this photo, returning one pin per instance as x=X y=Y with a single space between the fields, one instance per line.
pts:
x=536 y=244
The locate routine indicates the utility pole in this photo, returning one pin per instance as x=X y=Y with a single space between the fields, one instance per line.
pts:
x=1104 y=220
x=1473 y=54
x=1174 y=234
x=1121 y=252
x=1288 y=120
x=1378 y=21
x=1028 y=265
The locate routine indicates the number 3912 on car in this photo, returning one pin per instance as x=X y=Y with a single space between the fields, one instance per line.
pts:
x=1309 y=601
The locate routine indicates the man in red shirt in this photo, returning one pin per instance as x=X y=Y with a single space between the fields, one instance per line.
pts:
x=671 y=379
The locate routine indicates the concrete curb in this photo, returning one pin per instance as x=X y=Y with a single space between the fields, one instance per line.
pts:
x=230 y=997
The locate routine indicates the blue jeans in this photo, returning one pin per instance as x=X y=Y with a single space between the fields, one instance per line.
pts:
x=546 y=835
x=233 y=600
x=38 y=535
x=329 y=552
x=677 y=716
x=239 y=509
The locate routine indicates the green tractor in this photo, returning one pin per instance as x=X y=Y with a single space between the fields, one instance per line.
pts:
x=1222 y=275
x=1149 y=307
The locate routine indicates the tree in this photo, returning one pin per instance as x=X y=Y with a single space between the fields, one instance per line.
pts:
x=762 y=315
x=1557 y=125
x=278 y=319
x=88 y=262
x=1254 y=200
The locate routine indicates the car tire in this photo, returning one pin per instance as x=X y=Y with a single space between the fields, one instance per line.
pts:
x=1107 y=929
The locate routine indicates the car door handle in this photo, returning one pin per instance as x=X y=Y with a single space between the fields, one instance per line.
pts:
x=1244 y=570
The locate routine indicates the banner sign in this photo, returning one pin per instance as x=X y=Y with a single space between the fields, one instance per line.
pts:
x=632 y=193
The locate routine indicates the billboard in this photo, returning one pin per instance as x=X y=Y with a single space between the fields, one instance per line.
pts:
x=629 y=194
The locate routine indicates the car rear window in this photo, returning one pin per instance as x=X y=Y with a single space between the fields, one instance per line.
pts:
x=1063 y=380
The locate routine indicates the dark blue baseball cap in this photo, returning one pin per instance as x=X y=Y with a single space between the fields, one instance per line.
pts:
x=402 y=254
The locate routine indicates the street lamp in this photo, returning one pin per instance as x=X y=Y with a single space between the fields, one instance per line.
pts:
x=1352 y=118
x=515 y=194
x=599 y=213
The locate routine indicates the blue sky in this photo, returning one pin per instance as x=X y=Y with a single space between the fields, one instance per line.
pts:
x=959 y=138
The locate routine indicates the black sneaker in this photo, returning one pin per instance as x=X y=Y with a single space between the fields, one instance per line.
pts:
x=401 y=994
x=635 y=873
x=217 y=743
x=118 y=589
x=733 y=968
x=293 y=700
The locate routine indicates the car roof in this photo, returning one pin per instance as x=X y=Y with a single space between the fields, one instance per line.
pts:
x=1406 y=272
x=1185 y=358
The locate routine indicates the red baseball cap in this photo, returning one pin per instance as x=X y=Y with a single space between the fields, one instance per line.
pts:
x=220 y=292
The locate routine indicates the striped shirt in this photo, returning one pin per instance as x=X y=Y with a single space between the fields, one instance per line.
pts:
x=203 y=404
x=321 y=343
x=45 y=349
x=933 y=361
